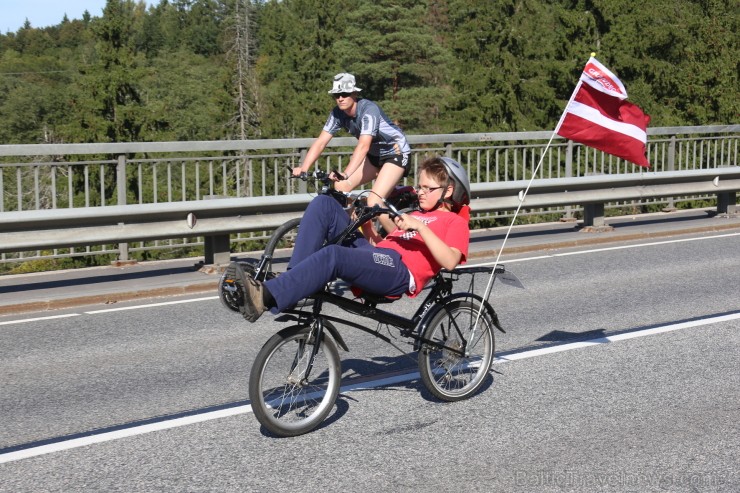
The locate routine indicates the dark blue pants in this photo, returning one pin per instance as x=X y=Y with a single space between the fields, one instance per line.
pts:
x=374 y=270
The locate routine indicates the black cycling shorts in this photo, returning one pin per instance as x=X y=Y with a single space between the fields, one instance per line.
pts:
x=401 y=160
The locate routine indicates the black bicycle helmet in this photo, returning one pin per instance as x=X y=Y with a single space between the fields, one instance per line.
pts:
x=461 y=193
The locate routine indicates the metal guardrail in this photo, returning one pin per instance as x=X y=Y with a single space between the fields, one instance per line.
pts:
x=217 y=219
x=76 y=177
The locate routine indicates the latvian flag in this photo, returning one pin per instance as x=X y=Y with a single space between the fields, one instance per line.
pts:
x=599 y=116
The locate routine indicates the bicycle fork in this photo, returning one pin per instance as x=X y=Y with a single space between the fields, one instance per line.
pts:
x=316 y=334
x=258 y=272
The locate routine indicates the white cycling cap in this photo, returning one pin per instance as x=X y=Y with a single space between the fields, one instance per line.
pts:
x=344 y=83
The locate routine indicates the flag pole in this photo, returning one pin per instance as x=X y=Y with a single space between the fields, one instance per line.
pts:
x=565 y=111
x=522 y=196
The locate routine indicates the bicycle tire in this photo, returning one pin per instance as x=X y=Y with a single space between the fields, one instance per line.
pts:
x=282 y=237
x=282 y=402
x=448 y=375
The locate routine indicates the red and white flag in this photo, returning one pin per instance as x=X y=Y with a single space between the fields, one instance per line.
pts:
x=599 y=116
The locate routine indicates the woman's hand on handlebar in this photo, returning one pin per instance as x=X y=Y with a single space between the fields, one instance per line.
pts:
x=297 y=171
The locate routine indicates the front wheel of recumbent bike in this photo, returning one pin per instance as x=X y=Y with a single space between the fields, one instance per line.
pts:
x=284 y=399
x=445 y=372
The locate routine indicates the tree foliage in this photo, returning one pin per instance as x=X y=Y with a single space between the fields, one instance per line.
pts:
x=171 y=71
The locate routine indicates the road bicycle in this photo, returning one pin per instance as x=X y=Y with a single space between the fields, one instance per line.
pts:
x=296 y=376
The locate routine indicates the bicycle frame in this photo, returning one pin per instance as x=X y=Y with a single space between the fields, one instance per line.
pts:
x=366 y=306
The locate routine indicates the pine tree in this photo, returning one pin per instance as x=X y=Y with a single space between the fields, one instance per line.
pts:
x=296 y=63
x=241 y=55
x=109 y=104
x=395 y=49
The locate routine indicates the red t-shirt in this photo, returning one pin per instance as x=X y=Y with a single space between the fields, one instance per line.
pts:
x=448 y=226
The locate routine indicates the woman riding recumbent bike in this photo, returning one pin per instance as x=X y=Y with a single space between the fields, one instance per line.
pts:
x=296 y=376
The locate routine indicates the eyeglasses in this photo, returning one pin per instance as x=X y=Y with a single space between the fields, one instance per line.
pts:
x=420 y=188
x=342 y=95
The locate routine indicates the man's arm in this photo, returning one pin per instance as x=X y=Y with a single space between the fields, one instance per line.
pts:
x=314 y=152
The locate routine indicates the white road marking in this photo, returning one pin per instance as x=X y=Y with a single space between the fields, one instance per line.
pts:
x=655 y=243
x=108 y=310
x=150 y=305
x=616 y=338
x=115 y=435
x=207 y=416
x=606 y=249
x=51 y=317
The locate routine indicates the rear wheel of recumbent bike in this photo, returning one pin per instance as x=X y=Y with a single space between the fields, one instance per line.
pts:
x=283 y=237
x=449 y=375
x=284 y=399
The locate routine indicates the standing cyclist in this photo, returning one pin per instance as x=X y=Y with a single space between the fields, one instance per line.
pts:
x=382 y=152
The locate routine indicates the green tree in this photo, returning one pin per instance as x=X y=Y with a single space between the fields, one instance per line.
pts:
x=399 y=58
x=203 y=27
x=184 y=98
x=169 y=71
x=295 y=63
x=680 y=58
x=154 y=33
x=108 y=104
x=514 y=62
x=32 y=97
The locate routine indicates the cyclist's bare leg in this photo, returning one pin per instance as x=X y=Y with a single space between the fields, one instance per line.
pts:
x=364 y=174
x=385 y=179
x=388 y=176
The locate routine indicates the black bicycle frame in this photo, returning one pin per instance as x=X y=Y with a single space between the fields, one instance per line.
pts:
x=366 y=307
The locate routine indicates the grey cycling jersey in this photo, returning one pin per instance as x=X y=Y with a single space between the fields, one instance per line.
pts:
x=388 y=139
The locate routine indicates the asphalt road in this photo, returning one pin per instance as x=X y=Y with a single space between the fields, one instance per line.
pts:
x=618 y=372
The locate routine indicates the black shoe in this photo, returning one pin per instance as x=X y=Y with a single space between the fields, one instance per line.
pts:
x=252 y=307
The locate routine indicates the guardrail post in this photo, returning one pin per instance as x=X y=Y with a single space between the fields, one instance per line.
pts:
x=727 y=203
x=593 y=215
x=448 y=150
x=121 y=187
x=671 y=166
x=216 y=248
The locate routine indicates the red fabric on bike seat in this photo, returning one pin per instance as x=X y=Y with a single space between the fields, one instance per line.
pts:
x=464 y=213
